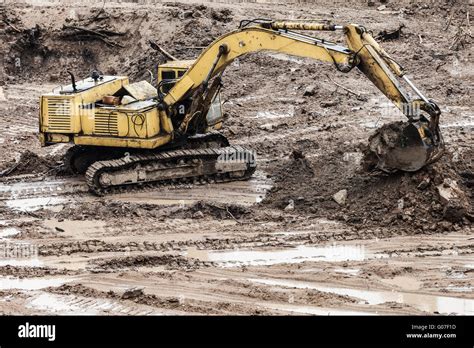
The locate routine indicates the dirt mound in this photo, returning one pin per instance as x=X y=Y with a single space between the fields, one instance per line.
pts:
x=142 y=298
x=79 y=289
x=433 y=199
x=170 y=261
x=217 y=211
x=106 y=209
x=290 y=180
x=29 y=163
x=24 y=272
x=111 y=40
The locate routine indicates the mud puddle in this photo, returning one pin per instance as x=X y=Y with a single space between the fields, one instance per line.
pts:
x=32 y=204
x=423 y=302
x=297 y=309
x=8 y=232
x=76 y=227
x=273 y=114
x=239 y=192
x=54 y=194
x=463 y=118
x=21 y=263
x=8 y=283
x=301 y=253
x=29 y=196
x=347 y=271
x=454 y=288
x=467 y=124
x=77 y=305
x=286 y=58
x=41 y=187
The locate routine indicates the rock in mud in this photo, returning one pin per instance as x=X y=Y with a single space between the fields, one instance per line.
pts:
x=329 y=103
x=424 y=183
x=454 y=200
x=290 y=206
x=198 y=215
x=310 y=91
x=267 y=127
x=340 y=197
x=297 y=154
x=448 y=191
x=132 y=293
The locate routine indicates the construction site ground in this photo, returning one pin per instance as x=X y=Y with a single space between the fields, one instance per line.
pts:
x=276 y=244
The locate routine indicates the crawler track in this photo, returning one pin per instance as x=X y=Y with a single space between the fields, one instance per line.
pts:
x=197 y=166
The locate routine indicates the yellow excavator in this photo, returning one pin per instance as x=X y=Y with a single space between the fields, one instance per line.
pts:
x=127 y=134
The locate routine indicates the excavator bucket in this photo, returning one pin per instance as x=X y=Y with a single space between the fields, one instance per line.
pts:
x=403 y=146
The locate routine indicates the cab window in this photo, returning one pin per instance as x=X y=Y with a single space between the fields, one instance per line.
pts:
x=168 y=75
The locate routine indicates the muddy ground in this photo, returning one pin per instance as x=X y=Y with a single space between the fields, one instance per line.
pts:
x=277 y=244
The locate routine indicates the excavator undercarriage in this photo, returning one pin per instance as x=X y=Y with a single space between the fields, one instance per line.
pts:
x=200 y=159
x=197 y=166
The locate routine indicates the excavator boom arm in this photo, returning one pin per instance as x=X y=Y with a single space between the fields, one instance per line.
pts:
x=254 y=39
x=362 y=52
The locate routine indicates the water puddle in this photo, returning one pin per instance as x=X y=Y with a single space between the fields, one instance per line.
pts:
x=21 y=263
x=426 y=303
x=244 y=99
x=238 y=192
x=301 y=253
x=467 y=124
x=286 y=58
x=74 y=305
x=371 y=124
x=273 y=114
x=76 y=227
x=32 y=204
x=347 y=271
x=290 y=233
x=297 y=309
x=8 y=283
x=9 y=232
x=456 y=275
x=404 y=282
x=456 y=288
x=58 y=304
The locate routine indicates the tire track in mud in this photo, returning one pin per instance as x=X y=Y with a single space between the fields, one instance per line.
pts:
x=21 y=191
x=255 y=241
x=177 y=255
x=163 y=304
x=57 y=303
x=14 y=188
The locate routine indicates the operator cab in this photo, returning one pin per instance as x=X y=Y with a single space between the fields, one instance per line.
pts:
x=169 y=73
